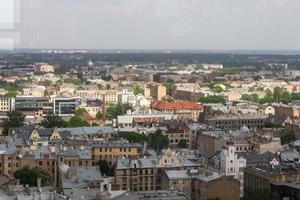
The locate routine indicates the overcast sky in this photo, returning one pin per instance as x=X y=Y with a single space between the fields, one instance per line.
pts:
x=160 y=24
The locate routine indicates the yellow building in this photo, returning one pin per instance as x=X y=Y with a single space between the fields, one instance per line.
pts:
x=157 y=91
x=111 y=152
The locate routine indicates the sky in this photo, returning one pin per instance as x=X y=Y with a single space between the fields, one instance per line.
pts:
x=154 y=24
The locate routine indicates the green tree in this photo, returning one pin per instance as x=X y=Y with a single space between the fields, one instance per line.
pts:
x=108 y=86
x=277 y=94
x=80 y=77
x=76 y=121
x=286 y=97
x=268 y=98
x=182 y=143
x=11 y=94
x=105 y=169
x=15 y=119
x=12 y=87
x=28 y=175
x=250 y=97
x=99 y=115
x=137 y=89
x=134 y=137
x=101 y=87
x=295 y=96
x=169 y=84
x=80 y=112
x=72 y=81
x=212 y=99
x=113 y=110
x=46 y=93
x=51 y=121
x=158 y=141
x=217 y=89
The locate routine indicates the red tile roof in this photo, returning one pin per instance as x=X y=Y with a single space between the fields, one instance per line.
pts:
x=176 y=106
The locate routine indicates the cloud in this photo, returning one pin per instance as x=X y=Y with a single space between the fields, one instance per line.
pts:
x=161 y=24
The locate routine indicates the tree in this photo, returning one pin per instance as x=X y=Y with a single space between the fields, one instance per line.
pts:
x=264 y=194
x=80 y=76
x=108 y=86
x=99 y=115
x=105 y=169
x=134 y=137
x=182 y=143
x=137 y=89
x=29 y=176
x=212 y=99
x=76 y=121
x=217 y=89
x=277 y=94
x=268 y=98
x=72 y=81
x=286 y=97
x=113 y=110
x=80 y=112
x=169 y=84
x=11 y=94
x=250 y=97
x=15 y=119
x=295 y=96
x=100 y=87
x=46 y=93
x=158 y=141
x=52 y=120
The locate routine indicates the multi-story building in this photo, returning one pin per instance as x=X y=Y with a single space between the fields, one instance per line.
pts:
x=111 y=152
x=144 y=174
x=183 y=110
x=157 y=91
x=262 y=177
x=92 y=106
x=44 y=67
x=65 y=106
x=179 y=131
x=237 y=121
x=232 y=165
x=6 y=104
x=31 y=105
x=142 y=120
x=202 y=184
x=92 y=93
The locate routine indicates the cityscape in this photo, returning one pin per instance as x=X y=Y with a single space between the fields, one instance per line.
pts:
x=82 y=118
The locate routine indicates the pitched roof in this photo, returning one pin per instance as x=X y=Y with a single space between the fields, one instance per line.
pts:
x=176 y=106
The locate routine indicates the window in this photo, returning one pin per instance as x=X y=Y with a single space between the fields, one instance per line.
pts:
x=40 y=163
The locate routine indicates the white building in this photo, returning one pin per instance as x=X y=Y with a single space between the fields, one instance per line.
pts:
x=35 y=91
x=212 y=66
x=44 y=67
x=6 y=104
x=232 y=165
x=142 y=121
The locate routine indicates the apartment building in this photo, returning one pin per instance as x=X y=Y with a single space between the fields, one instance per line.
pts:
x=183 y=110
x=202 y=184
x=111 y=152
x=262 y=177
x=157 y=91
x=144 y=173
x=6 y=104
x=231 y=122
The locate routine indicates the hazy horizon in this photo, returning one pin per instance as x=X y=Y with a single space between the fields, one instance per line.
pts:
x=194 y=25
